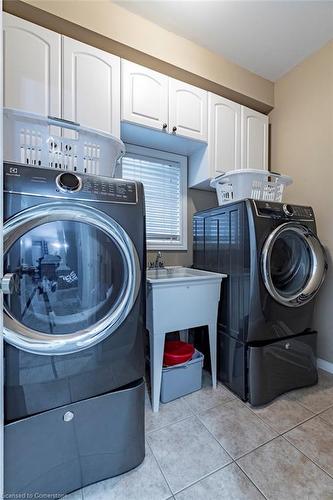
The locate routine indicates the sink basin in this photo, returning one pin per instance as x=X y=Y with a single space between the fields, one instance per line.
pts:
x=179 y=274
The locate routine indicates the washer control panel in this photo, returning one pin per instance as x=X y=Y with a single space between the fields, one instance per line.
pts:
x=283 y=210
x=47 y=182
x=115 y=190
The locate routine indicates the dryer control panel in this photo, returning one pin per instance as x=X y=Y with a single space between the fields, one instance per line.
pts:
x=50 y=183
x=283 y=210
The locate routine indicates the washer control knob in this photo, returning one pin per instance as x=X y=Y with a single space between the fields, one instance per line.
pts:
x=288 y=210
x=68 y=416
x=69 y=182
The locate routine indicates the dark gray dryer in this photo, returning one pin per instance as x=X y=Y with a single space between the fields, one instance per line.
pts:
x=275 y=265
x=74 y=254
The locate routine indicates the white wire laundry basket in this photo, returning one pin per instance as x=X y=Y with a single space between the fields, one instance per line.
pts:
x=250 y=183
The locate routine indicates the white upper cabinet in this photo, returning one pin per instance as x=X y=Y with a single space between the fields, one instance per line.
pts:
x=224 y=134
x=32 y=67
x=91 y=87
x=88 y=92
x=144 y=96
x=188 y=110
x=254 y=139
x=237 y=139
x=156 y=101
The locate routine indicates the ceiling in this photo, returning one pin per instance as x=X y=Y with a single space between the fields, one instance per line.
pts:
x=265 y=37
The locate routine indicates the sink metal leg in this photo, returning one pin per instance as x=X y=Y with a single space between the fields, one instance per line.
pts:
x=213 y=349
x=156 y=364
x=183 y=335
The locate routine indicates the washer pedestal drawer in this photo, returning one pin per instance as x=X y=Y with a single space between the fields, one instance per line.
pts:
x=67 y=448
x=281 y=366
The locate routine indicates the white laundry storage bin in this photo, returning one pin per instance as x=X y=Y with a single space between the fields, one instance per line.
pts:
x=182 y=379
x=250 y=183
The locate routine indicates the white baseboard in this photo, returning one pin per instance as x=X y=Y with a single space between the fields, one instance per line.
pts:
x=325 y=365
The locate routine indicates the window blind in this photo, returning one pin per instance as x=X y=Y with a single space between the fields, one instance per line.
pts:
x=162 y=184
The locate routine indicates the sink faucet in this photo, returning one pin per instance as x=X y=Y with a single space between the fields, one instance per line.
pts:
x=158 y=261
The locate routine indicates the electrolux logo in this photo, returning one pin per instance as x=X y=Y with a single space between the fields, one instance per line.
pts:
x=13 y=171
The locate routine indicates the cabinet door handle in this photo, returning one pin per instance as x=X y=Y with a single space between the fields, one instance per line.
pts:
x=174 y=129
x=164 y=125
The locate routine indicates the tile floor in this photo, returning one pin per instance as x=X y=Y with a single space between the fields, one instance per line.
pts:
x=210 y=445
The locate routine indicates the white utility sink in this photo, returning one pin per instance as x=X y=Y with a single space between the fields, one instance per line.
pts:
x=179 y=298
x=179 y=274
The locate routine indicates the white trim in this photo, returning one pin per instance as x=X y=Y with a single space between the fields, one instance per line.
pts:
x=182 y=161
x=325 y=365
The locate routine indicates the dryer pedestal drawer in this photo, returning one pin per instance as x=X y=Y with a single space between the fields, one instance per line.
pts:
x=281 y=366
x=65 y=449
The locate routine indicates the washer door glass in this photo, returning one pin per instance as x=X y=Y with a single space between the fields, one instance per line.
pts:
x=293 y=264
x=77 y=278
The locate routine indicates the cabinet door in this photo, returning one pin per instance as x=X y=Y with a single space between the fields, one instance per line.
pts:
x=254 y=142
x=91 y=87
x=224 y=134
x=188 y=110
x=144 y=96
x=32 y=68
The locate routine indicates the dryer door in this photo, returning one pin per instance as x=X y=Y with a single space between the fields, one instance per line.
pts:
x=293 y=264
x=77 y=278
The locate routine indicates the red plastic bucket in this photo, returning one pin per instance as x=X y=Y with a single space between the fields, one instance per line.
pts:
x=176 y=352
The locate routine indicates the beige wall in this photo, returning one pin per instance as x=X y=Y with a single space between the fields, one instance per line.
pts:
x=196 y=200
x=116 y=23
x=302 y=146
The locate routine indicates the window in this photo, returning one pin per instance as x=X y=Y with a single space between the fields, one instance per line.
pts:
x=164 y=177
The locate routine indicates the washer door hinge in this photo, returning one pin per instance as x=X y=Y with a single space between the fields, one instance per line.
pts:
x=9 y=283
